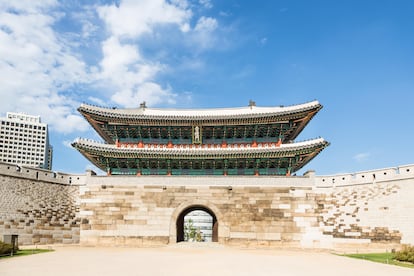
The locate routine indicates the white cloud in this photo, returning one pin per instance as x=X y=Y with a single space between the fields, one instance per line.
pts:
x=149 y=92
x=206 y=24
x=42 y=67
x=26 y=5
x=36 y=65
x=86 y=18
x=133 y=18
x=203 y=32
x=97 y=101
x=206 y=3
x=131 y=76
x=361 y=157
x=183 y=4
x=224 y=14
x=117 y=57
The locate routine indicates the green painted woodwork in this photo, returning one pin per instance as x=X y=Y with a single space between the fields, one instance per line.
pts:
x=235 y=171
x=197 y=167
x=210 y=134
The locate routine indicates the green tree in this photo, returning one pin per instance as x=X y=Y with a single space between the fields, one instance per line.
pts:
x=191 y=233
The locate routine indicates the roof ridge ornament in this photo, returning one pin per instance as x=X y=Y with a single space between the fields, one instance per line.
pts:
x=251 y=104
x=143 y=105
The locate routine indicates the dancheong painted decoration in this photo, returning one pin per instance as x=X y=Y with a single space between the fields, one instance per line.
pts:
x=248 y=140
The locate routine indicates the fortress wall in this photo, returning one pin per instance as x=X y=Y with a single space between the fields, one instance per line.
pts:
x=37 y=174
x=366 y=177
x=356 y=211
x=40 y=212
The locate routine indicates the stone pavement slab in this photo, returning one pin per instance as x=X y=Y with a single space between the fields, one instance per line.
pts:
x=191 y=260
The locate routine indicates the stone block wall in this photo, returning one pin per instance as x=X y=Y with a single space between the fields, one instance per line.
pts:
x=380 y=213
x=252 y=211
x=145 y=214
x=39 y=212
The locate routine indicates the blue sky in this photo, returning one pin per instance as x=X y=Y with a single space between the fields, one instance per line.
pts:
x=355 y=57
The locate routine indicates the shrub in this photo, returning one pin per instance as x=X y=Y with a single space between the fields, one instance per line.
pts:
x=5 y=248
x=406 y=254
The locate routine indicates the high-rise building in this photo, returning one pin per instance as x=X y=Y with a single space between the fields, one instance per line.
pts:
x=24 y=140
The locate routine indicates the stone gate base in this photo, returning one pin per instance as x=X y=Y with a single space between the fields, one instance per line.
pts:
x=252 y=212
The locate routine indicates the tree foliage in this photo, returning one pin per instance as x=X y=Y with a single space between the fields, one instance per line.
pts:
x=191 y=233
x=5 y=248
x=406 y=254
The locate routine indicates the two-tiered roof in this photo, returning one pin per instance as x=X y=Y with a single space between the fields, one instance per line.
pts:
x=230 y=141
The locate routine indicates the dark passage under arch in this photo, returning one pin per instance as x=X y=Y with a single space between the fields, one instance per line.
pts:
x=180 y=222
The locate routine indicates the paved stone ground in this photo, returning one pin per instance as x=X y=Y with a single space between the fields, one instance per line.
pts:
x=191 y=260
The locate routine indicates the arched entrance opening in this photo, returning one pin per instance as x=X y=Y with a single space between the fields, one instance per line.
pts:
x=197 y=223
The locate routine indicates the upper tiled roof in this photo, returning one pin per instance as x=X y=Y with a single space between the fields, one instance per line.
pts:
x=197 y=114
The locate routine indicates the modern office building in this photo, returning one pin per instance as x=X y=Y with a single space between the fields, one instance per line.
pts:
x=24 y=140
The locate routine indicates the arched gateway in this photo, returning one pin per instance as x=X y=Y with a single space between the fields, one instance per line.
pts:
x=208 y=219
x=177 y=220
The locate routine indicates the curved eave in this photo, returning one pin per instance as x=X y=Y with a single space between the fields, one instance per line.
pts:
x=307 y=150
x=96 y=126
x=303 y=122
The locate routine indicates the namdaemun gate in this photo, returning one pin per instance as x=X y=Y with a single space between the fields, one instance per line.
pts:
x=248 y=140
x=227 y=175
